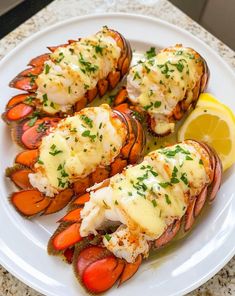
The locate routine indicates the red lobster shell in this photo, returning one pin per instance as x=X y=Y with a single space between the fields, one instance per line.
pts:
x=162 y=82
x=96 y=267
x=24 y=111
x=30 y=201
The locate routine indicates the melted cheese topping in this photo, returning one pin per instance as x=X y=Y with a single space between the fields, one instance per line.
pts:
x=145 y=199
x=159 y=83
x=79 y=144
x=76 y=68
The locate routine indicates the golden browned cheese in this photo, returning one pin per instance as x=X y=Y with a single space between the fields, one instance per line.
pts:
x=159 y=83
x=76 y=68
x=147 y=198
x=79 y=144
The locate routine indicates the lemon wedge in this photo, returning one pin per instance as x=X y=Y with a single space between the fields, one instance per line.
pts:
x=214 y=123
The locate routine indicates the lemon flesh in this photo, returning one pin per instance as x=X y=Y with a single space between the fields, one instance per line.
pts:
x=213 y=123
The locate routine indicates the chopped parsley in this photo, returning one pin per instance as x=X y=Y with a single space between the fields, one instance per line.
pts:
x=168 y=201
x=190 y=55
x=200 y=161
x=154 y=203
x=136 y=75
x=179 y=52
x=147 y=68
x=87 y=120
x=59 y=167
x=52 y=105
x=60 y=58
x=99 y=49
x=47 y=69
x=164 y=184
x=29 y=100
x=147 y=107
x=32 y=120
x=40 y=161
x=174 y=179
x=172 y=153
x=54 y=151
x=45 y=100
x=111 y=99
x=87 y=133
x=64 y=174
x=180 y=66
x=41 y=127
x=62 y=183
x=184 y=178
x=188 y=157
x=157 y=104
x=108 y=237
x=167 y=70
x=32 y=79
x=88 y=67
x=150 y=53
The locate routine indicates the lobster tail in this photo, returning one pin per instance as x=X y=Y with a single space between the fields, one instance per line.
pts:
x=22 y=106
x=95 y=266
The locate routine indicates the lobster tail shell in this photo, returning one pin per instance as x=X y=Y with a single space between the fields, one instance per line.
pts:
x=30 y=137
x=98 y=269
x=183 y=105
x=19 y=107
x=214 y=171
x=130 y=153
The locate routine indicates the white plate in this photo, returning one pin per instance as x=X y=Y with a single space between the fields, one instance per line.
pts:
x=190 y=263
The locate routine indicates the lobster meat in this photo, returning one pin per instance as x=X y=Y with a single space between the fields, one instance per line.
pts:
x=110 y=230
x=67 y=79
x=164 y=86
x=93 y=145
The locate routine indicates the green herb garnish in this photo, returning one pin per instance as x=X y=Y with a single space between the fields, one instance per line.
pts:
x=108 y=237
x=168 y=201
x=54 y=151
x=154 y=203
x=87 y=133
x=47 y=69
x=87 y=120
x=150 y=53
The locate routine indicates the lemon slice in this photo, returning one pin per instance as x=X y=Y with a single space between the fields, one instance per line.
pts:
x=213 y=123
x=207 y=100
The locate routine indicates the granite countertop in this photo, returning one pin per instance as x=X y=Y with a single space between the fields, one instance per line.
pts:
x=223 y=283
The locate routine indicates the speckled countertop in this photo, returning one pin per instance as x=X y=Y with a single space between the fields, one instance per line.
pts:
x=223 y=283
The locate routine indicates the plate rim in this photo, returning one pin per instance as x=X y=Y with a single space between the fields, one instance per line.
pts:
x=9 y=266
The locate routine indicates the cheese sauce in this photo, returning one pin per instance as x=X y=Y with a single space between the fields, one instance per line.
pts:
x=157 y=84
x=79 y=144
x=76 y=68
x=145 y=199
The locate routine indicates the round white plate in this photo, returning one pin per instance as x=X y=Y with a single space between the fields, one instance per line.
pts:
x=186 y=266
